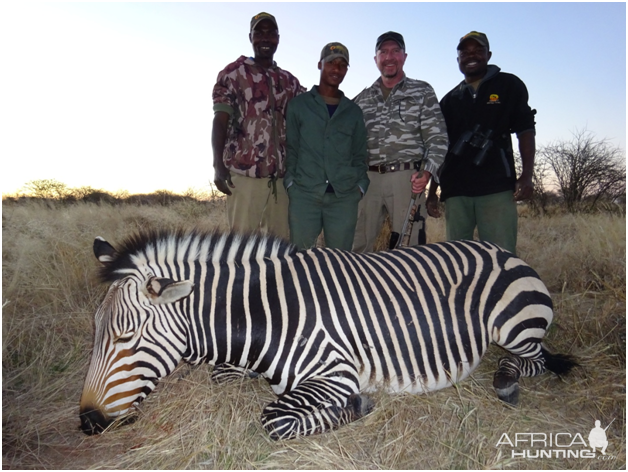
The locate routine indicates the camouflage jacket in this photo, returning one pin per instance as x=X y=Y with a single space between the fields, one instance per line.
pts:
x=256 y=100
x=406 y=127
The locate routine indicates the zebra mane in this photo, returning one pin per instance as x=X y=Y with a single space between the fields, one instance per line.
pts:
x=152 y=246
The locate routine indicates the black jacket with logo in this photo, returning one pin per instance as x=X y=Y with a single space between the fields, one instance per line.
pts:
x=500 y=105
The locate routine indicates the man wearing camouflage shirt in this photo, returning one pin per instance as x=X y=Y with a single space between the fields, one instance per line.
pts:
x=406 y=129
x=249 y=134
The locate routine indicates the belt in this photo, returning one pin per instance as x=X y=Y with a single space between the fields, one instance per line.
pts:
x=384 y=168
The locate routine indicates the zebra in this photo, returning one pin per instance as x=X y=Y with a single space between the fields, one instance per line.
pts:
x=324 y=327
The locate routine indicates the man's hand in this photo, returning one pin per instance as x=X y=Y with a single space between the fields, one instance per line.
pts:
x=419 y=180
x=222 y=179
x=432 y=203
x=523 y=188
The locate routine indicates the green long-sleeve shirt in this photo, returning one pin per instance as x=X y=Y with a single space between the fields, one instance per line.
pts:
x=324 y=150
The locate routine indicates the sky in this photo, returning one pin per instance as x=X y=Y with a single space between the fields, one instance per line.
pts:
x=118 y=96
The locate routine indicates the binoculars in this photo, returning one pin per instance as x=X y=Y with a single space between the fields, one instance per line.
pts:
x=474 y=138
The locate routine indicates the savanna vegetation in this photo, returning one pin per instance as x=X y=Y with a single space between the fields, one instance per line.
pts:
x=579 y=175
x=50 y=294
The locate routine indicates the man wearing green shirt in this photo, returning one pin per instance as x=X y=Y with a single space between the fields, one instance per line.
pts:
x=326 y=168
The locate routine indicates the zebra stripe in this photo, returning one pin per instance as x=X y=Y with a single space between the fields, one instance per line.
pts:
x=322 y=326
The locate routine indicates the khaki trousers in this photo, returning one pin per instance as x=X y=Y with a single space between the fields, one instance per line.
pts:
x=388 y=194
x=252 y=207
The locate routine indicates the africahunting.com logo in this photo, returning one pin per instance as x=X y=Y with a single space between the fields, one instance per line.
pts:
x=558 y=445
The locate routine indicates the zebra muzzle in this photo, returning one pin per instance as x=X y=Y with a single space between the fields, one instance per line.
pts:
x=93 y=421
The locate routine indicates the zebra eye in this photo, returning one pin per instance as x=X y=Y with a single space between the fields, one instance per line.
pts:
x=123 y=338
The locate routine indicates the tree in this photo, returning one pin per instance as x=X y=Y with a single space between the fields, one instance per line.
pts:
x=586 y=168
x=46 y=188
x=542 y=195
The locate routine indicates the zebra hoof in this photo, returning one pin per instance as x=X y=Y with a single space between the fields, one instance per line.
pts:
x=362 y=404
x=507 y=389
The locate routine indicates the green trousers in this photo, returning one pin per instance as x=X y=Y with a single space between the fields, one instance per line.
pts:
x=495 y=217
x=308 y=214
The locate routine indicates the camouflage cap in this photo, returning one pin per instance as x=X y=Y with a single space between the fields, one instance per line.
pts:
x=333 y=50
x=261 y=17
x=390 y=36
x=477 y=36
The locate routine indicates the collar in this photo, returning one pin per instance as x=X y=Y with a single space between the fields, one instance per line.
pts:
x=491 y=71
x=376 y=87
x=251 y=62
x=314 y=91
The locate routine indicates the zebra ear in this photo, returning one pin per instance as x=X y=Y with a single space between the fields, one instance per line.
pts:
x=161 y=290
x=104 y=251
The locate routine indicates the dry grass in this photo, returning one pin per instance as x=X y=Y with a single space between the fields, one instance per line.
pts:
x=50 y=295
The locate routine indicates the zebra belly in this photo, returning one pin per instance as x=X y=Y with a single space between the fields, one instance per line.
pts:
x=417 y=385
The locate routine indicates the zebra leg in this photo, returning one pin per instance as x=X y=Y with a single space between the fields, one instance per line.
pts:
x=506 y=379
x=535 y=361
x=314 y=406
x=227 y=373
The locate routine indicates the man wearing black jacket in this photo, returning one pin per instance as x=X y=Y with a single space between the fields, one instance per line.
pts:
x=478 y=181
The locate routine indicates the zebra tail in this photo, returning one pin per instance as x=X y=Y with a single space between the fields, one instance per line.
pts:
x=560 y=364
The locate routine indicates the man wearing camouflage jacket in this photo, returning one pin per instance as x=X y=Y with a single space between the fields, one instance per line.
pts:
x=249 y=134
x=406 y=129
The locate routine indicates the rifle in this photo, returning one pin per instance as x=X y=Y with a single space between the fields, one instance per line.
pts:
x=412 y=215
x=609 y=424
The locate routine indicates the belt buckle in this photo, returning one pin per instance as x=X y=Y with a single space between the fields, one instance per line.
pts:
x=381 y=169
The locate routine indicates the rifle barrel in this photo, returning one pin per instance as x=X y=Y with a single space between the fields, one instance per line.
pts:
x=609 y=424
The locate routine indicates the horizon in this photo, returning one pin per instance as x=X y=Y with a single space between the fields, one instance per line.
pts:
x=117 y=96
